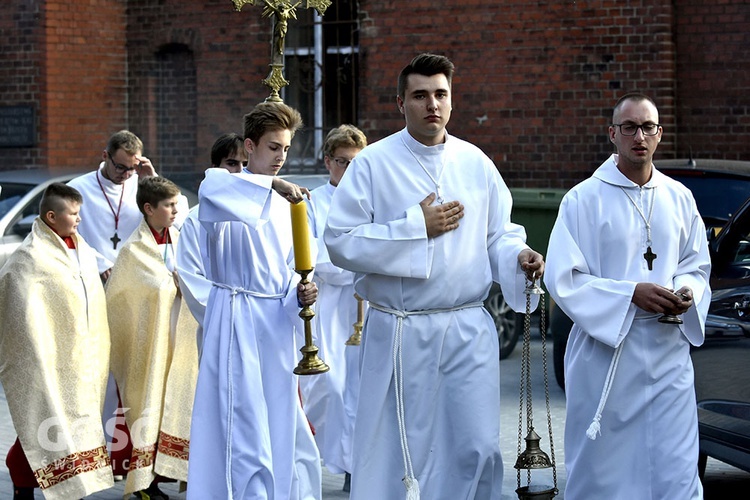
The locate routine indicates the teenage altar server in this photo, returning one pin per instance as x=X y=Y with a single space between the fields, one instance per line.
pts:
x=154 y=354
x=330 y=399
x=250 y=436
x=227 y=152
x=423 y=218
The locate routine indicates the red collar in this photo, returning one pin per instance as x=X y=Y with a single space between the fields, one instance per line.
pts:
x=68 y=240
x=161 y=239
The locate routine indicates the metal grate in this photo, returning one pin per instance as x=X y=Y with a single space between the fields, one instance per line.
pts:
x=322 y=64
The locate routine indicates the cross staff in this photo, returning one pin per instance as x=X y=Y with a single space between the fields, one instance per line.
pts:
x=281 y=10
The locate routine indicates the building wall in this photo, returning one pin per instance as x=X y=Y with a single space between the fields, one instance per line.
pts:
x=534 y=87
x=67 y=60
x=218 y=55
x=535 y=83
x=20 y=75
x=713 y=84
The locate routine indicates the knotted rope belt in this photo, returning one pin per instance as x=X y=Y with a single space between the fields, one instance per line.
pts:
x=234 y=291
x=410 y=481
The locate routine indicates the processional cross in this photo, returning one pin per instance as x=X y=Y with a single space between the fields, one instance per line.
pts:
x=281 y=10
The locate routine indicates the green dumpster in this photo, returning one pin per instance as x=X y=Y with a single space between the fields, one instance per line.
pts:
x=536 y=210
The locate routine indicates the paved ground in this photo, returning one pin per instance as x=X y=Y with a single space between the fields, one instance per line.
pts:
x=721 y=482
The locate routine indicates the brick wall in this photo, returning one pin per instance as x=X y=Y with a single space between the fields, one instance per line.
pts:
x=85 y=89
x=534 y=87
x=66 y=59
x=228 y=52
x=713 y=88
x=20 y=73
x=535 y=83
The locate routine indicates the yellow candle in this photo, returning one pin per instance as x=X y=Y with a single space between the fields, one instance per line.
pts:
x=301 y=237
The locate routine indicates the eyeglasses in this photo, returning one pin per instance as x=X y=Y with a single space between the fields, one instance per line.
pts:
x=630 y=129
x=121 y=168
x=342 y=162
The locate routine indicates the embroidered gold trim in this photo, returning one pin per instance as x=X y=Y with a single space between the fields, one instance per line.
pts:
x=65 y=468
x=174 y=446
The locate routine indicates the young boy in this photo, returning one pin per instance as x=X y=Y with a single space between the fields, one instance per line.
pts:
x=54 y=355
x=330 y=399
x=251 y=438
x=154 y=360
x=228 y=152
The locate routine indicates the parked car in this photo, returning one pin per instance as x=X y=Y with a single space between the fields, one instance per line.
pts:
x=722 y=378
x=20 y=194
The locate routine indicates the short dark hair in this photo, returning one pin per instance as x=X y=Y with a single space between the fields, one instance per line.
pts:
x=154 y=189
x=631 y=96
x=55 y=194
x=125 y=140
x=425 y=65
x=271 y=116
x=226 y=146
x=344 y=136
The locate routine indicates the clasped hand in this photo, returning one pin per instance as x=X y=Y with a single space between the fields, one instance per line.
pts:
x=658 y=299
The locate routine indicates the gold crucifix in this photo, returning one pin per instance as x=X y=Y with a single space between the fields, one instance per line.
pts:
x=282 y=11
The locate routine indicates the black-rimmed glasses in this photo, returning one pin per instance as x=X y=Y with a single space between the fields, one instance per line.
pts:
x=342 y=162
x=120 y=168
x=631 y=129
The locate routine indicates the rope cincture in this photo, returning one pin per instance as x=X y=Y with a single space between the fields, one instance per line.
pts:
x=410 y=481
x=594 y=429
x=233 y=292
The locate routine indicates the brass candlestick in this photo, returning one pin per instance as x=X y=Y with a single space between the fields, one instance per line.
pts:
x=310 y=364
x=356 y=337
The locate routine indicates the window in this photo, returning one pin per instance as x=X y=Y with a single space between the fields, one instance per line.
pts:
x=322 y=64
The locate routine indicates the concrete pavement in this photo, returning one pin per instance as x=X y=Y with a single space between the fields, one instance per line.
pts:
x=332 y=484
x=721 y=480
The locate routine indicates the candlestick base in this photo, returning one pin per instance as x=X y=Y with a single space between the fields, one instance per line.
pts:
x=356 y=337
x=310 y=364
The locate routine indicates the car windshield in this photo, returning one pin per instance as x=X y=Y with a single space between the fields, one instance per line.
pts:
x=717 y=196
x=10 y=194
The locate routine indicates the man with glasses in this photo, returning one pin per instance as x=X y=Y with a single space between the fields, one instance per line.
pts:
x=330 y=399
x=111 y=213
x=629 y=247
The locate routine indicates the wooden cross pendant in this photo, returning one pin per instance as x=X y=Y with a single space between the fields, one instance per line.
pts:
x=649 y=256
x=116 y=239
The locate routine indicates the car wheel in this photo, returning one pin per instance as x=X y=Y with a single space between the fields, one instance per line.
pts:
x=508 y=323
x=702 y=461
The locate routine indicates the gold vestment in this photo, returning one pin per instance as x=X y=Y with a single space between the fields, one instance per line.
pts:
x=54 y=361
x=154 y=359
